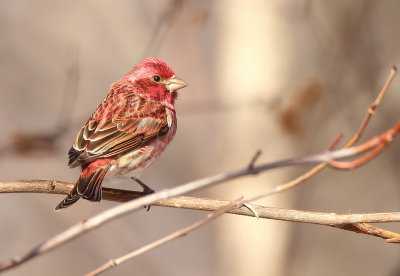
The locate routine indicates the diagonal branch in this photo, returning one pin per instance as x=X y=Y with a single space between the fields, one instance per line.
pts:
x=126 y=208
x=336 y=221
x=371 y=110
x=179 y=233
x=357 y=221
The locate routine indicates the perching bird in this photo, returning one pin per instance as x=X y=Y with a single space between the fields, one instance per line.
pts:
x=128 y=131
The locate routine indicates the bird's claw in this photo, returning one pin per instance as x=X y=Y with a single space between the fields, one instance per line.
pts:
x=146 y=190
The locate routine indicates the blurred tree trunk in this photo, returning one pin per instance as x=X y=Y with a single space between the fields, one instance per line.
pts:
x=250 y=66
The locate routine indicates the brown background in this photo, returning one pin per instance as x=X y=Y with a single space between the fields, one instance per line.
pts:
x=281 y=76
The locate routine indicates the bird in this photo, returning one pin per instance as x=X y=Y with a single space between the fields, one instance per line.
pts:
x=128 y=131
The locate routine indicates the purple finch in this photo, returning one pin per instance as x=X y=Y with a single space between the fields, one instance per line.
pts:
x=128 y=131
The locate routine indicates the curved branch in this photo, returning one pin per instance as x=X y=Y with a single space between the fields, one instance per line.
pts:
x=206 y=204
x=351 y=222
x=118 y=211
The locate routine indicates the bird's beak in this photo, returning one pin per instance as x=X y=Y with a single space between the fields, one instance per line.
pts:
x=173 y=84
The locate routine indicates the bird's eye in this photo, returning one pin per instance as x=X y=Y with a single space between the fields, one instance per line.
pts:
x=156 y=78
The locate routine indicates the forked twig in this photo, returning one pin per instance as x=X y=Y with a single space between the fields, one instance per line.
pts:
x=126 y=208
x=371 y=110
x=357 y=222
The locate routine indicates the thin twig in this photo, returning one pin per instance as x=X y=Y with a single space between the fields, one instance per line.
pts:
x=217 y=213
x=302 y=178
x=336 y=142
x=254 y=159
x=350 y=222
x=164 y=23
x=373 y=106
x=118 y=211
x=206 y=204
x=57 y=187
x=382 y=141
x=126 y=208
x=363 y=228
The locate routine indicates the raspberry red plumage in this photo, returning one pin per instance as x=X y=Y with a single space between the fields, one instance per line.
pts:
x=129 y=129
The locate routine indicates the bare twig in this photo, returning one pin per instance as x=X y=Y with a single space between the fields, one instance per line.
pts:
x=374 y=146
x=254 y=159
x=377 y=144
x=206 y=204
x=373 y=106
x=302 y=178
x=162 y=26
x=336 y=142
x=349 y=222
x=217 y=213
x=113 y=213
x=367 y=229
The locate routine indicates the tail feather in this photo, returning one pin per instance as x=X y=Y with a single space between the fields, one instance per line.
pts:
x=92 y=190
x=71 y=198
x=88 y=187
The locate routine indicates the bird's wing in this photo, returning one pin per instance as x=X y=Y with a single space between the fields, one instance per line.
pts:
x=98 y=139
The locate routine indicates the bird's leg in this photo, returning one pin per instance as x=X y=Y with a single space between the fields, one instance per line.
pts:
x=146 y=189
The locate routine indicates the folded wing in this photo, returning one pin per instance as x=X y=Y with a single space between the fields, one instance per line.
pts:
x=117 y=136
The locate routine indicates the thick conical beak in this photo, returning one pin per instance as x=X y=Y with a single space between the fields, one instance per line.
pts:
x=174 y=84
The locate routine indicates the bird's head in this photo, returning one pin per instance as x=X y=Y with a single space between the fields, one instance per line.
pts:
x=154 y=79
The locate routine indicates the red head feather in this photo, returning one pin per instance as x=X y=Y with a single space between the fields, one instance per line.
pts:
x=142 y=77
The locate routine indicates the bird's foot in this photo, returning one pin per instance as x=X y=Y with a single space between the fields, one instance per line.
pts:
x=146 y=190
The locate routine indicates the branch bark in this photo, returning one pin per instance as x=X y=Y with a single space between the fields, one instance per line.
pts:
x=128 y=207
x=205 y=204
x=351 y=222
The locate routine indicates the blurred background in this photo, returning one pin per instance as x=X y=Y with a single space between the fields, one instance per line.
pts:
x=285 y=77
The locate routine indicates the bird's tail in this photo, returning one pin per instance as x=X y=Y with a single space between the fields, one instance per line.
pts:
x=88 y=186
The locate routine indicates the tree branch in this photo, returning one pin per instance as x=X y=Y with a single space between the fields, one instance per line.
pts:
x=371 y=110
x=179 y=233
x=351 y=222
x=207 y=204
x=126 y=208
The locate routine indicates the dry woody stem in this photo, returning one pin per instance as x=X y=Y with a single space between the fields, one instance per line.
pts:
x=171 y=197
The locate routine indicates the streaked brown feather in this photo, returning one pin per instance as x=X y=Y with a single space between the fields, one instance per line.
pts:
x=80 y=141
x=89 y=129
x=100 y=139
x=129 y=124
x=90 y=186
x=107 y=125
x=138 y=123
x=101 y=146
x=103 y=133
x=92 y=124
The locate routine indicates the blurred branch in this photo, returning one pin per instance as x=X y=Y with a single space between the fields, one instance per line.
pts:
x=126 y=208
x=164 y=23
x=339 y=221
x=25 y=142
x=371 y=110
x=372 y=148
x=351 y=222
x=181 y=232
x=372 y=107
